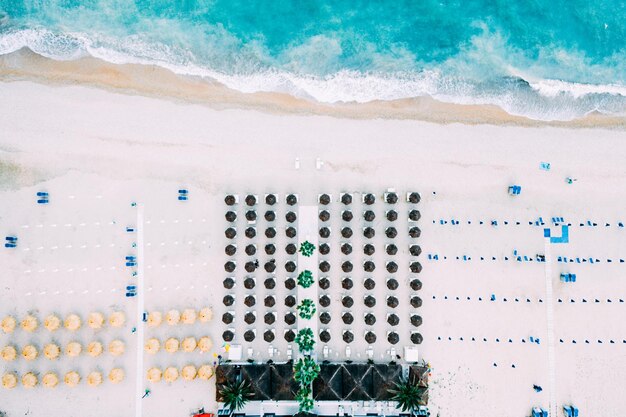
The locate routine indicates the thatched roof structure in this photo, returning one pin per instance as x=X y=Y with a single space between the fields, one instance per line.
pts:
x=324 y=215
x=346 y=283
x=230 y=216
x=347 y=301
x=270 y=199
x=346 y=232
x=250 y=232
x=290 y=301
x=324 y=283
x=269 y=301
x=291 y=249
x=346 y=215
x=347 y=318
x=251 y=215
x=391 y=232
x=369 y=199
x=229 y=283
x=290 y=266
x=290 y=217
x=270 y=249
x=290 y=319
x=416 y=284
x=369 y=301
x=249 y=283
x=291 y=232
x=392 y=284
x=391 y=198
x=369 y=284
x=324 y=249
x=270 y=283
x=250 y=300
x=270 y=215
x=414 y=198
x=393 y=320
x=369 y=216
x=230 y=200
x=250 y=200
x=249 y=318
x=291 y=200
x=369 y=249
x=415 y=232
x=416 y=302
x=290 y=283
x=228 y=300
x=346 y=199
x=230 y=266
x=325 y=317
x=324 y=199
x=392 y=215
x=370 y=319
x=324 y=301
x=270 y=232
x=324 y=232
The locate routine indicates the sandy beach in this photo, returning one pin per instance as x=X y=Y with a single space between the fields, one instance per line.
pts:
x=98 y=150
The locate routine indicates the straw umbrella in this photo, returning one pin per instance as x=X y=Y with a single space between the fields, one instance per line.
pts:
x=416 y=285
x=290 y=336
x=369 y=216
x=370 y=319
x=414 y=198
x=392 y=215
x=72 y=378
x=117 y=319
x=369 y=232
x=346 y=266
x=9 y=380
x=30 y=352
x=369 y=301
x=291 y=249
x=415 y=267
x=347 y=301
x=170 y=374
x=290 y=266
x=205 y=372
x=416 y=338
x=205 y=315
x=415 y=232
x=391 y=198
x=29 y=380
x=154 y=318
x=291 y=199
x=250 y=232
x=52 y=322
x=348 y=337
x=230 y=266
x=416 y=302
x=369 y=266
x=8 y=353
x=290 y=283
x=393 y=338
x=172 y=345
x=324 y=199
x=324 y=283
x=324 y=215
x=270 y=199
x=189 y=372
x=416 y=320
x=8 y=324
x=228 y=283
x=324 y=266
x=369 y=199
x=250 y=200
x=95 y=320
x=95 y=349
x=249 y=283
x=414 y=215
x=369 y=249
x=94 y=379
x=116 y=375
x=73 y=349
x=415 y=250
x=51 y=351
x=325 y=336
x=325 y=317
x=270 y=216
x=172 y=317
x=249 y=318
x=393 y=320
x=230 y=233
x=250 y=300
x=228 y=300
x=190 y=344
x=290 y=319
x=249 y=336
x=230 y=200
x=346 y=199
x=227 y=318
x=346 y=283
x=269 y=301
x=270 y=266
x=270 y=283
x=72 y=322
x=346 y=232
x=30 y=323
x=392 y=284
x=347 y=216
x=392 y=302
x=205 y=344
x=324 y=232
x=228 y=336
x=369 y=284
x=251 y=215
x=116 y=347
x=189 y=316
x=154 y=375
x=370 y=337
x=230 y=216
x=347 y=318
x=50 y=380
x=153 y=346
x=230 y=250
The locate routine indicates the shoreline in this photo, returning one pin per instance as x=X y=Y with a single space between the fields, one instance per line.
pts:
x=157 y=82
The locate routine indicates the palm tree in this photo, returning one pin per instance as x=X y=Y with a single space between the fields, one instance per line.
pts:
x=408 y=394
x=235 y=394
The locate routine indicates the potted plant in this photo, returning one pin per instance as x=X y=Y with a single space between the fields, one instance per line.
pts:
x=305 y=340
x=305 y=278
x=307 y=248
x=306 y=309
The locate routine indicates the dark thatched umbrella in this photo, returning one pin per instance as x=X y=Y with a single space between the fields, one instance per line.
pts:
x=227 y=318
x=346 y=232
x=369 y=301
x=369 y=284
x=229 y=283
x=250 y=250
x=324 y=249
x=324 y=266
x=270 y=216
x=415 y=232
x=290 y=336
x=369 y=266
x=249 y=318
x=230 y=200
x=249 y=283
x=392 y=215
x=416 y=302
x=415 y=267
x=270 y=233
x=230 y=266
x=393 y=320
x=291 y=216
x=391 y=249
x=369 y=216
x=270 y=266
x=392 y=284
x=291 y=232
x=369 y=199
x=228 y=336
x=347 y=318
x=324 y=283
x=416 y=338
x=228 y=300
x=346 y=199
x=270 y=249
x=250 y=200
x=270 y=283
x=249 y=336
x=291 y=249
x=392 y=302
x=269 y=301
x=270 y=199
x=290 y=301
x=414 y=215
x=347 y=301
x=346 y=249
x=369 y=232
x=290 y=283
x=369 y=249
x=346 y=216
x=231 y=216
x=415 y=250
x=324 y=232
x=348 y=337
x=391 y=232
x=250 y=301
x=250 y=232
x=416 y=285
x=416 y=320
x=393 y=338
x=370 y=319
x=291 y=199
x=290 y=266
x=392 y=198
x=324 y=199
x=392 y=267
x=370 y=337
x=230 y=233
x=346 y=284
x=251 y=215
x=325 y=317
x=251 y=266
x=414 y=198
x=325 y=336
x=230 y=250
x=324 y=301
x=268 y=336
x=346 y=266
x=290 y=319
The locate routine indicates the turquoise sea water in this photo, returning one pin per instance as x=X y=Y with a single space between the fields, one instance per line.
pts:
x=545 y=59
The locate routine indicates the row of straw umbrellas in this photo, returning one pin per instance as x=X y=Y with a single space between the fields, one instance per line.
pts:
x=174 y=317
x=188 y=373
x=173 y=345
x=52 y=351
x=53 y=322
x=51 y=379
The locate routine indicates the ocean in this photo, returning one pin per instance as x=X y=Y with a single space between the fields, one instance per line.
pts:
x=542 y=59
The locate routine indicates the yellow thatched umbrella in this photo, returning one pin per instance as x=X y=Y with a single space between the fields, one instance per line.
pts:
x=52 y=322
x=116 y=347
x=9 y=380
x=117 y=319
x=154 y=374
x=116 y=375
x=189 y=372
x=29 y=380
x=30 y=352
x=8 y=353
x=153 y=346
x=189 y=316
x=206 y=314
x=95 y=320
x=205 y=372
x=72 y=322
x=154 y=319
x=189 y=344
x=171 y=345
x=72 y=378
x=8 y=324
x=172 y=317
x=94 y=379
x=94 y=349
x=51 y=351
x=73 y=349
x=170 y=374
x=30 y=323
x=50 y=380
x=205 y=344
